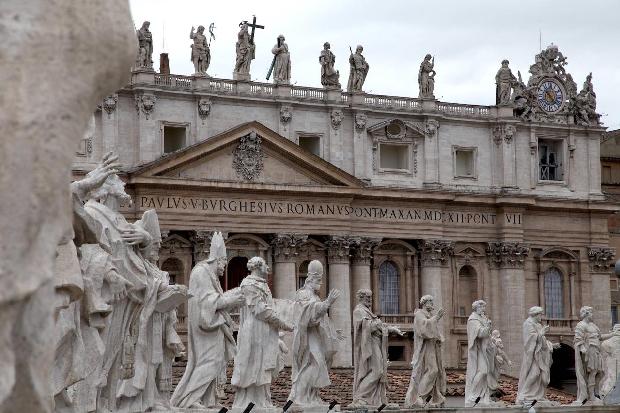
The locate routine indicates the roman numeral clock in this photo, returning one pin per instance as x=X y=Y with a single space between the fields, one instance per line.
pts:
x=550 y=95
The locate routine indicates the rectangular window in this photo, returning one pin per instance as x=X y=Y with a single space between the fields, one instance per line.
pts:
x=613 y=283
x=396 y=353
x=606 y=175
x=174 y=138
x=550 y=160
x=311 y=143
x=614 y=315
x=464 y=162
x=393 y=156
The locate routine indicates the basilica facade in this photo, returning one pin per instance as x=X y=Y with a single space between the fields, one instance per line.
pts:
x=403 y=196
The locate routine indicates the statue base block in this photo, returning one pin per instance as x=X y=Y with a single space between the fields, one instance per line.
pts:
x=245 y=77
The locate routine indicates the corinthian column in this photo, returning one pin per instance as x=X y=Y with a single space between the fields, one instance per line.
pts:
x=285 y=250
x=509 y=258
x=360 y=269
x=435 y=260
x=601 y=265
x=340 y=311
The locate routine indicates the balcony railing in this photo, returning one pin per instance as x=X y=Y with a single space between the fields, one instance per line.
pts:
x=565 y=324
x=397 y=318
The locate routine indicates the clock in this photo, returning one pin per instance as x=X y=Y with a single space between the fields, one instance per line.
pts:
x=550 y=95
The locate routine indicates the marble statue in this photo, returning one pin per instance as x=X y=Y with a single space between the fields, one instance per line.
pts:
x=245 y=52
x=329 y=76
x=134 y=336
x=314 y=340
x=426 y=78
x=201 y=54
x=583 y=105
x=611 y=352
x=282 y=66
x=144 y=59
x=536 y=364
x=479 y=365
x=499 y=359
x=209 y=331
x=370 y=338
x=504 y=80
x=256 y=362
x=588 y=359
x=37 y=213
x=358 y=70
x=428 y=377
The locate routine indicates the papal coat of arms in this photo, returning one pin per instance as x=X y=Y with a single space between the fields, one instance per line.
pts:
x=248 y=157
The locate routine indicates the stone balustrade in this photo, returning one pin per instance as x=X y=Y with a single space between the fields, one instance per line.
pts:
x=310 y=94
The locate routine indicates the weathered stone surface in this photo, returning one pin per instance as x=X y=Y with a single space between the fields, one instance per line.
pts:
x=40 y=117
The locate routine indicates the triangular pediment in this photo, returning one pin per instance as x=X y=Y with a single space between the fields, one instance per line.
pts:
x=248 y=153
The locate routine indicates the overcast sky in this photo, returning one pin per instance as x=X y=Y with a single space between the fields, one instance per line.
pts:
x=468 y=38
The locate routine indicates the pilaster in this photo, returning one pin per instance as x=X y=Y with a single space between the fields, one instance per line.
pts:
x=601 y=264
x=360 y=267
x=431 y=153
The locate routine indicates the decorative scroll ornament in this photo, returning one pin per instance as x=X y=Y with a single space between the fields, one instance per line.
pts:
x=248 y=157
x=507 y=254
x=337 y=117
x=146 y=103
x=109 y=104
x=503 y=132
x=204 y=108
x=285 y=114
x=601 y=258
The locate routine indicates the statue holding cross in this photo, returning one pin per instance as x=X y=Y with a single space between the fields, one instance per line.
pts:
x=245 y=48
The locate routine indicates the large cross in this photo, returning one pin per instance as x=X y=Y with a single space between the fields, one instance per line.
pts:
x=253 y=25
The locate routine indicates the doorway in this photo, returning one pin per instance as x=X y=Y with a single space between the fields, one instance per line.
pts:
x=236 y=270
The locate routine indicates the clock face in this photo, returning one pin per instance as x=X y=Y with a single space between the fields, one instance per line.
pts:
x=550 y=96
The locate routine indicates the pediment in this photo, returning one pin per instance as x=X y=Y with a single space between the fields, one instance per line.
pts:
x=248 y=153
x=397 y=129
x=468 y=251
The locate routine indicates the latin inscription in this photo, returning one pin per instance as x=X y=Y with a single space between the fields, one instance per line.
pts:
x=322 y=210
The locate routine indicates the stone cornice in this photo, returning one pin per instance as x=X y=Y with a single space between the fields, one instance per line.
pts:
x=436 y=252
x=503 y=254
x=601 y=259
x=286 y=246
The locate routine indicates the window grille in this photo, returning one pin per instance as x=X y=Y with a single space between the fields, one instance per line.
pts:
x=554 y=305
x=389 y=291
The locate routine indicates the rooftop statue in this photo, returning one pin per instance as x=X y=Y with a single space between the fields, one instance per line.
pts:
x=281 y=65
x=144 y=59
x=329 y=75
x=201 y=53
x=504 y=80
x=245 y=52
x=358 y=70
x=426 y=78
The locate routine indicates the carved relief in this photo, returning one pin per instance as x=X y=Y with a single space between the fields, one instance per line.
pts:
x=146 y=104
x=286 y=114
x=601 y=258
x=431 y=127
x=336 y=116
x=435 y=252
x=338 y=248
x=360 y=121
x=204 y=108
x=109 y=104
x=248 y=157
x=286 y=246
x=503 y=132
x=507 y=254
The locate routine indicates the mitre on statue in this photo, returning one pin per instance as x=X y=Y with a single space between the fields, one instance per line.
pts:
x=218 y=249
x=150 y=222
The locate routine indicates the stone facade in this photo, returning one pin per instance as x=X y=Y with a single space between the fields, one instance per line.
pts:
x=404 y=196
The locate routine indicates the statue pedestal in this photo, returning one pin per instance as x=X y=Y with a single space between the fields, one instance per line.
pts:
x=243 y=87
x=357 y=98
x=505 y=111
x=429 y=105
x=244 y=77
x=143 y=76
x=201 y=81
x=283 y=90
x=333 y=95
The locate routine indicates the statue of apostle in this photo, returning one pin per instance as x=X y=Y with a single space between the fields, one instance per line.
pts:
x=329 y=75
x=426 y=78
x=504 y=80
x=428 y=377
x=370 y=338
x=314 y=340
x=611 y=351
x=588 y=359
x=479 y=365
x=536 y=364
x=256 y=362
x=144 y=59
x=245 y=53
x=358 y=70
x=282 y=66
x=201 y=54
x=210 y=339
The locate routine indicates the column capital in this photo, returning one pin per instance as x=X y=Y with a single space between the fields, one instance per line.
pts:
x=435 y=252
x=286 y=246
x=601 y=259
x=505 y=254
x=363 y=248
x=201 y=239
x=338 y=249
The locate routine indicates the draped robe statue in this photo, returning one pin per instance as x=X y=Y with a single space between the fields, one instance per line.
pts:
x=145 y=47
x=245 y=53
x=498 y=358
x=329 y=75
x=201 y=53
x=588 y=359
x=536 y=364
x=370 y=338
x=256 y=362
x=358 y=70
x=611 y=350
x=426 y=78
x=209 y=332
x=314 y=340
x=282 y=68
x=428 y=377
x=478 y=377
x=504 y=79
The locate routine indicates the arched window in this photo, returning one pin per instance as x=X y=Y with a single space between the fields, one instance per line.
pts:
x=302 y=274
x=389 y=288
x=554 y=294
x=174 y=268
x=236 y=270
x=467 y=289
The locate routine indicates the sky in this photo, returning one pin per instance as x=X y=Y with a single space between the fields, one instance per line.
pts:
x=468 y=38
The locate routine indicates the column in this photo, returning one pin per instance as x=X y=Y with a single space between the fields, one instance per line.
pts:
x=601 y=267
x=509 y=258
x=340 y=312
x=149 y=148
x=360 y=266
x=285 y=250
x=435 y=258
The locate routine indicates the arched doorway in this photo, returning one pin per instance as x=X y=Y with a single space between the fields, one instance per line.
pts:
x=563 y=369
x=236 y=270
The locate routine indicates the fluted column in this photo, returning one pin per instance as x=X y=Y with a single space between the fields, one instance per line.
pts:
x=509 y=258
x=340 y=312
x=285 y=250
